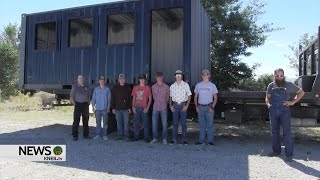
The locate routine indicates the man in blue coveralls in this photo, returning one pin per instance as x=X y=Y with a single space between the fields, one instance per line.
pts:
x=280 y=96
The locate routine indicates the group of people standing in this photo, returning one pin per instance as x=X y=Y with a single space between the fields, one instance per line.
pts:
x=121 y=100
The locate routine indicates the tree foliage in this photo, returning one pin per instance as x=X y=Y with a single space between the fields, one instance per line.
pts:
x=259 y=84
x=234 y=29
x=9 y=60
x=304 y=41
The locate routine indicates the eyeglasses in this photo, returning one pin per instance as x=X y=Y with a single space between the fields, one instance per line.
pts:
x=178 y=75
x=278 y=76
x=205 y=74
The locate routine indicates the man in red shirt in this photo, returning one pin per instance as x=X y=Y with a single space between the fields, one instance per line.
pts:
x=141 y=102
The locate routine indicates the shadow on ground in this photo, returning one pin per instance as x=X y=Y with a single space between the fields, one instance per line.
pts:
x=227 y=160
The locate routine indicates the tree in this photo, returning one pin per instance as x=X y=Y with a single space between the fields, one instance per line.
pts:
x=304 y=41
x=234 y=29
x=252 y=84
x=9 y=60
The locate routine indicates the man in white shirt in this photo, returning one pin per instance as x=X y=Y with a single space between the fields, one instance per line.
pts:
x=180 y=97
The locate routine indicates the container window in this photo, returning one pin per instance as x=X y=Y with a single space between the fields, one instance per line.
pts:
x=80 y=32
x=120 y=28
x=46 y=36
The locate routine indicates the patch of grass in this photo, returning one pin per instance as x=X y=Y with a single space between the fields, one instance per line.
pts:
x=21 y=102
x=25 y=102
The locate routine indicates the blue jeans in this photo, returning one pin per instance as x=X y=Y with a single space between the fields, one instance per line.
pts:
x=183 y=119
x=280 y=116
x=102 y=115
x=138 y=116
x=122 y=117
x=206 y=123
x=155 y=115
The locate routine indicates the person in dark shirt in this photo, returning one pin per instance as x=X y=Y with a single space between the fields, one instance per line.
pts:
x=80 y=98
x=121 y=106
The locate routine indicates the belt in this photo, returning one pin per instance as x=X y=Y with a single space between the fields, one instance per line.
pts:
x=180 y=102
x=82 y=103
x=205 y=104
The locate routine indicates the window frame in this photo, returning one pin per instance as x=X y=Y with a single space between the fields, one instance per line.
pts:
x=36 y=35
x=107 y=27
x=69 y=28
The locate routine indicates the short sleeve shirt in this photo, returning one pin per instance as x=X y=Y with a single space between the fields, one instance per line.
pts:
x=141 y=94
x=160 y=94
x=180 y=92
x=291 y=89
x=80 y=93
x=206 y=92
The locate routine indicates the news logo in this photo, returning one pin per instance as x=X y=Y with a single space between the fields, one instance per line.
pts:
x=33 y=152
x=57 y=150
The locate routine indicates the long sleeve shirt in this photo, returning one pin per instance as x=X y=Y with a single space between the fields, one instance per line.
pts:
x=101 y=98
x=121 y=97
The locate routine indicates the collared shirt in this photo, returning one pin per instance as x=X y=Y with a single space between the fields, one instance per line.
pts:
x=101 y=98
x=180 y=92
x=160 y=95
x=206 y=92
x=80 y=93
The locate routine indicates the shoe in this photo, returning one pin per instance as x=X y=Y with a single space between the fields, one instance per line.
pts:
x=136 y=139
x=199 y=143
x=146 y=140
x=96 y=137
x=211 y=144
x=164 y=142
x=173 y=142
x=288 y=159
x=185 y=143
x=153 y=141
x=273 y=154
x=105 y=138
x=128 y=139
x=75 y=138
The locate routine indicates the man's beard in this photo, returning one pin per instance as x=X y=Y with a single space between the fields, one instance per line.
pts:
x=279 y=83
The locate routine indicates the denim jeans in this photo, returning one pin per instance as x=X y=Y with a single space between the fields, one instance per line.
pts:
x=164 y=120
x=280 y=116
x=138 y=116
x=179 y=114
x=102 y=115
x=122 y=117
x=206 y=123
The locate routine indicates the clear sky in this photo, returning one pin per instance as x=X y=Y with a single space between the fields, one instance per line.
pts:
x=295 y=16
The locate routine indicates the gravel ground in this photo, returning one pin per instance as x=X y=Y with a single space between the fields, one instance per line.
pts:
x=237 y=155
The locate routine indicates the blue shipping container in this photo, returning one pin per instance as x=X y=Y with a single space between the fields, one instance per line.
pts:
x=130 y=37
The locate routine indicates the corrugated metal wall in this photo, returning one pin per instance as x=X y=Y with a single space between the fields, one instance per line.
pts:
x=62 y=65
x=200 y=41
x=167 y=53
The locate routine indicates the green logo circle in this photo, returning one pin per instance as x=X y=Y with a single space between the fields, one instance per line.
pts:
x=57 y=150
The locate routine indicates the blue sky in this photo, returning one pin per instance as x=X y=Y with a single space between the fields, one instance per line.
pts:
x=295 y=16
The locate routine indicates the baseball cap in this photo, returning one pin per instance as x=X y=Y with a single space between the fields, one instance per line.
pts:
x=102 y=78
x=142 y=76
x=178 y=72
x=122 y=76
